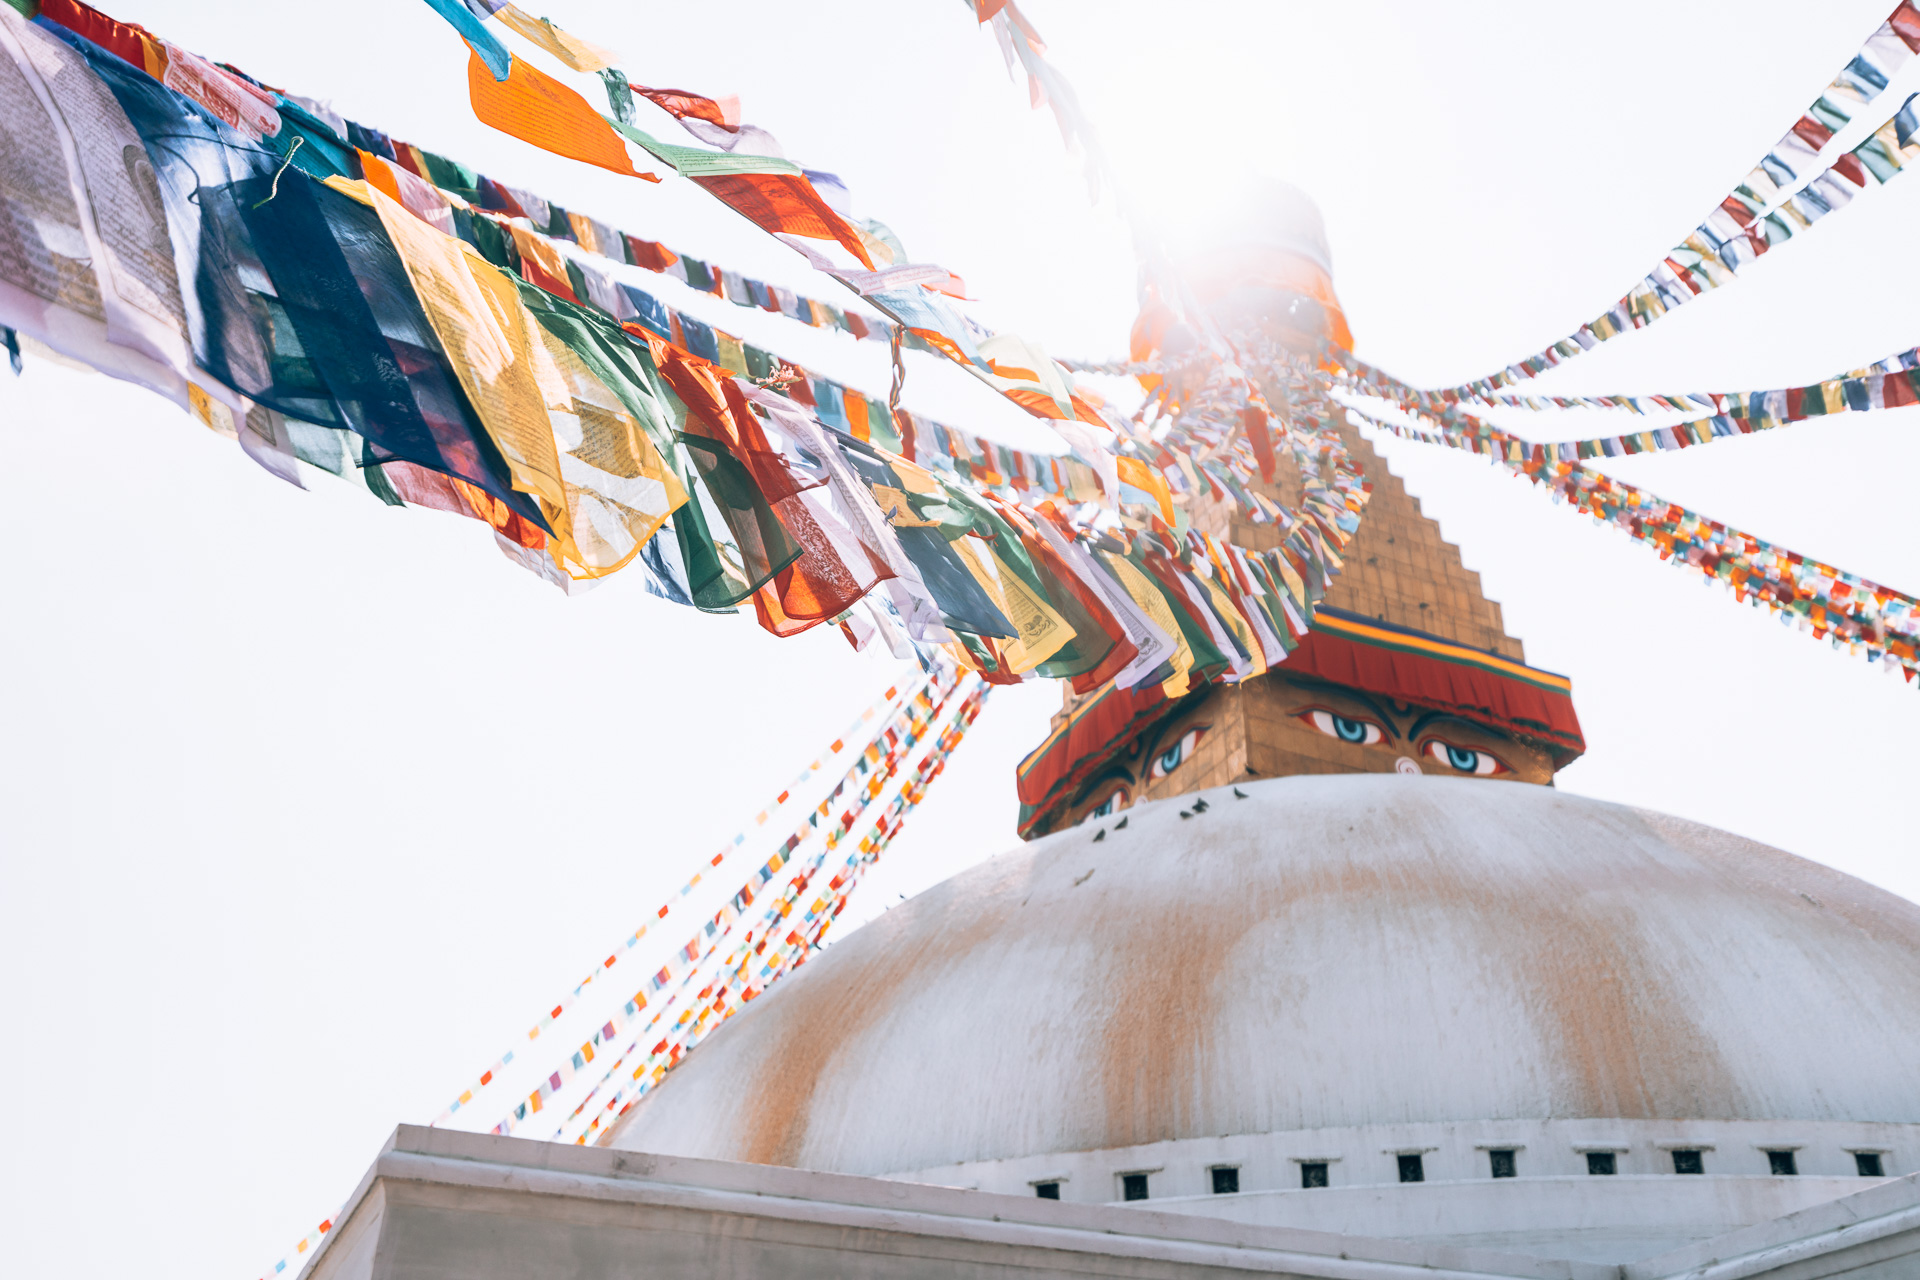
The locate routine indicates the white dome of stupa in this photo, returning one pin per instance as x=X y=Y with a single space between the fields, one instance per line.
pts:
x=1338 y=972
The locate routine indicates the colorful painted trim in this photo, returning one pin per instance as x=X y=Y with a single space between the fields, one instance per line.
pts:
x=1386 y=635
x=1343 y=648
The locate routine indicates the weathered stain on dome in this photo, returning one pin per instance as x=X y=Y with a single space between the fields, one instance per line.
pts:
x=1329 y=952
x=835 y=1016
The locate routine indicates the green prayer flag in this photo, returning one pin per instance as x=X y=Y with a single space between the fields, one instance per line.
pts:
x=759 y=363
x=450 y=175
x=692 y=162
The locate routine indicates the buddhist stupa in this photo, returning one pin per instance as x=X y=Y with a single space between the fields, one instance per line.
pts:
x=1312 y=975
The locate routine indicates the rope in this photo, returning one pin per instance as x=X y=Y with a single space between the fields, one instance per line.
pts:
x=284 y=166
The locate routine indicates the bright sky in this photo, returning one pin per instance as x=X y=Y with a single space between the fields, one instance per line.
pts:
x=311 y=806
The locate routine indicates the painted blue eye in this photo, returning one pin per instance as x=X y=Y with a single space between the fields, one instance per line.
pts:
x=1482 y=764
x=1172 y=758
x=1116 y=800
x=1360 y=732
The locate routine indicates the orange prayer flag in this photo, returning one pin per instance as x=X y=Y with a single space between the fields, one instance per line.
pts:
x=1141 y=476
x=1037 y=403
x=536 y=108
x=856 y=411
x=541 y=263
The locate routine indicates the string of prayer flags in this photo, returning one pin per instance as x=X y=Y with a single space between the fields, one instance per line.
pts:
x=1739 y=412
x=772 y=193
x=691 y=955
x=688 y=959
x=692 y=962
x=307 y=1242
x=730 y=988
x=819 y=917
x=521 y=100
x=1218 y=476
x=413 y=165
x=1862 y=80
x=971 y=569
x=1690 y=401
x=1831 y=603
x=1756 y=216
x=860 y=414
x=554 y=108
x=734 y=980
x=739 y=838
x=910 y=797
x=728 y=984
x=1752 y=220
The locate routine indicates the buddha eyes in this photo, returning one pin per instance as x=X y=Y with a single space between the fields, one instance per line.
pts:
x=1106 y=808
x=1466 y=759
x=1365 y=733
x=1361 y=732
x=1177 y=754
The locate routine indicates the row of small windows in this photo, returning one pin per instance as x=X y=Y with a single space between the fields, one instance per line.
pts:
x=1781 y=1162
x=1224 y=1177
x=1503 y=1162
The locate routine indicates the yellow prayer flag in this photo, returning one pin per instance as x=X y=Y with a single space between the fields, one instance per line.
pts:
x=491 y=341
x=1155 y=606
x=572 y=50
x=586 y=237
x=567 y=437
x=1041 y=632
x=1236 y=623
x=733 y=355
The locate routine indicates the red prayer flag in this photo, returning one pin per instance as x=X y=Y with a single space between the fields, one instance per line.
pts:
x=783 y=202
x=680 y=104
x=1897 y=389
x=127 y=41
x=648 y=254
x=1254 y=418
x=1905 y=22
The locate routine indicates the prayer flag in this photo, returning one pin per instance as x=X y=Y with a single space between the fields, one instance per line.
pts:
x=536 y=108
x=575 y=52
x=487 y=49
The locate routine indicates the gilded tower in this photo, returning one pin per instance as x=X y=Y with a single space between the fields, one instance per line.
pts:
x=1407 y=667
